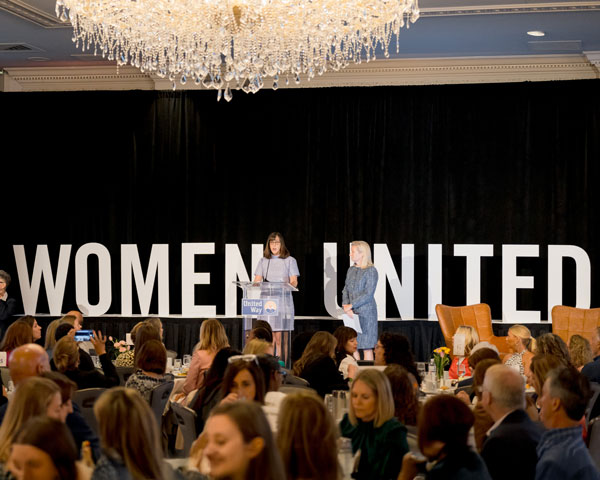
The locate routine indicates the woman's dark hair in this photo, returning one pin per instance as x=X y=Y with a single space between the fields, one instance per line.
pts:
x=447 y=419
x=263 y=324
x=406 y=405
x=66 y=385
x=62 y=331
x=19 y=333
x=479 y=373
x=251 y=422
x=299 y=343
x=283 y=251
x=143 y=334
x=5 y=276
x=214 y=375
x=397 y=350
x=262 y=333
x=343 y=334
x=238 y=366
x=152 y=357
x=322 y=344
x=482 y=354
x=54 y=438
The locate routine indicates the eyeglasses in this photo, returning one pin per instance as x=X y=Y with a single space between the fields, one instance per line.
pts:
x=243 y=358
x=275 y=241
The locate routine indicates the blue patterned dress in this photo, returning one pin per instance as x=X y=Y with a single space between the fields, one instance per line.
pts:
x=359 y=291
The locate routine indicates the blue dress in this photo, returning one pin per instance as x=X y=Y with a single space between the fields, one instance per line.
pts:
x=359 y=291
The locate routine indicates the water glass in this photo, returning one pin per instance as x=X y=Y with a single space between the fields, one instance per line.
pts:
x=96 y=361
x=341 y=399
x=177 y=364
x=187 y=360
x=330 y=404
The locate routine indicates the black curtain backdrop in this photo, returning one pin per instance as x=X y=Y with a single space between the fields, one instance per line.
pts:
x=497 y=163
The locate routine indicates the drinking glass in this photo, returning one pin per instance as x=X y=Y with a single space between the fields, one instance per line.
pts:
x=187 y=359
x=177 y=364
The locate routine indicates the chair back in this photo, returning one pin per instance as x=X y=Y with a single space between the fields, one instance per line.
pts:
x=287 y=389
x=478 y=316
x=291 y=379
x=124 y=373
x=86 y=399
x=593 y=407
x=158 y=400
x=186 y=420
x=5 y=376
x=569 y=321
x=594 y=440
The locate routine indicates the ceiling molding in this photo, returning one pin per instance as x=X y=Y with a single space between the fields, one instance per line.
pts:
x=33 y=14
x=541 y=7
x=375 y=73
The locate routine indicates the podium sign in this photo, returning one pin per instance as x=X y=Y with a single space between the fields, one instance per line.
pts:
x=260 y=306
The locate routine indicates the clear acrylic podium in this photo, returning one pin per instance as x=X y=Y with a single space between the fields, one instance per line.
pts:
x=280 y=318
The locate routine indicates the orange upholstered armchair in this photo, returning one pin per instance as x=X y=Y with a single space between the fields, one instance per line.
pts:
x=478 y=316
x=569 y=321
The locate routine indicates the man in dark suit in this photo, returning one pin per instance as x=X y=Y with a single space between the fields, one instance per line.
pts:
x=592 y=369
x=510 y=449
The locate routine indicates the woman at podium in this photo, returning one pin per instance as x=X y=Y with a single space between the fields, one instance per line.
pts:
x=359 y=296
x=277 y=265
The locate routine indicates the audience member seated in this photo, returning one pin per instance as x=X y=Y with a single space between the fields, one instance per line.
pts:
x=522 y=345
x=541 y=365
x=66 y=359
x=513 y=434
x=19 y=333
x=49 y=340
x=307 y=439
x=151 y=363
x=552 y=344
x=443 y=431
x=299 y=343
x=258 y=347
x=562 y=454
x=209 y=395
x=130 y=442
x=482 y=422
x=347 y=345
x=273 y=377
x=406 y=404
x=126 y=359
x=212 y=339
x=260 y=333
x=157 y=324
x=85 y=360
x=459 y=368
x=43 y=449
x=372 y=427
x=28 y=361
x=36 y=330
x=238 y=443
x=592 y=369
x=34 y=396
x=479 y=353
x=243 y=380
x=395 y=348
x=580 y=351
x=71 y=413
x=317 y=365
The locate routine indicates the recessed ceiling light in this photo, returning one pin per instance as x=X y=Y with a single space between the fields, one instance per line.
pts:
x=536 y=33
x=38 y=59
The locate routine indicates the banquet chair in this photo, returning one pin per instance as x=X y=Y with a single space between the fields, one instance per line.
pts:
x=287 y=389
x=5 y=376
x=85 y=399
x=478 y=316
x=158 y=400
x=569 y=321
x=186 y=420
x=594 y=440
x=291 y=379
x=124 y=373
x=593 y=407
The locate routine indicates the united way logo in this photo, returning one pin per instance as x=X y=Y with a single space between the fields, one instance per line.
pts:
x=270 y=307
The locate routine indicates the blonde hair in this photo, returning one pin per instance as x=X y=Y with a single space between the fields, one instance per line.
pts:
x=50 y=341
x=363 y=247
x=379 y=383
x=524 y=335
x=321 y=344
x=212 y=336
x=471 y=337
x=307 y=438
x=66 y=354
x=30 y=399
x=70 y=319
x=256 y=346
x=126 y=426
x=580 y=350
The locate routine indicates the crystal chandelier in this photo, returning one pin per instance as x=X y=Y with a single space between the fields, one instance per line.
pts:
x=225 y=44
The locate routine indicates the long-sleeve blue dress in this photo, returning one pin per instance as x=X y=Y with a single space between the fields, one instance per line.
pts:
x=359 y=291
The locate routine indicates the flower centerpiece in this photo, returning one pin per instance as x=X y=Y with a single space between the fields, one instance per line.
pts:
x=441 y=358
x=115 y=347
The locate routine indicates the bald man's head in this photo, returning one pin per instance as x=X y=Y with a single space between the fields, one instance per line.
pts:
x=79 y=316
x=26 y=361
x=506 y=386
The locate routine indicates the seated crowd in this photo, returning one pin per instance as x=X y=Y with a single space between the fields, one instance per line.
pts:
x=523 y=415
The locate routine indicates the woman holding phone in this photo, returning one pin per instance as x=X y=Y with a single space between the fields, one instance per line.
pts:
x=277 y=265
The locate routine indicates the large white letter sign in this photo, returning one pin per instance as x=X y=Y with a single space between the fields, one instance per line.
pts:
x=434 y=278
x=511 y=282
x=236 y=270
x=404 y=292
x=473 y=253
x=158 y=263
x=330 y=280
x=189 y=279
x=104 y=280
x=583 y=275
x=42 y=268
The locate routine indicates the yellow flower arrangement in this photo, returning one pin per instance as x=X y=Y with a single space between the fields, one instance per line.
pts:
x=441 y=358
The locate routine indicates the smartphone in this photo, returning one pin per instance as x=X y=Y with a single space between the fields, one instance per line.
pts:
x=83 y=335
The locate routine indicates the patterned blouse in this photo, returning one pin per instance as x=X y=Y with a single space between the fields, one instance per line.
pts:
x=144 y=383
x=516 y=359
x=125 y=359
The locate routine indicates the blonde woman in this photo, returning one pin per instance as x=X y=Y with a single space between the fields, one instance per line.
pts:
x=358 y=296
x=212 y=339
x=256 y=346
x=460 y=363
x=129 y=437
x=373 y=428
x=35 y=396
x=522 y=345
x=581 y=351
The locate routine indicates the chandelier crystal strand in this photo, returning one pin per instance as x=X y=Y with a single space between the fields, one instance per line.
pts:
x=242 y=42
